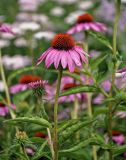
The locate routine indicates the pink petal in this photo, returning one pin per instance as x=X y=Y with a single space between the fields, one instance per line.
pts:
x=101 y=26
x=71 y=64
x=50 y=58
x=76 y=57
x=81 y=54
x=94 y=27
x=72 y=30
x=86 y=26
x=79 y=27
x=64 y=59
x=43 y=56
x=57 y=59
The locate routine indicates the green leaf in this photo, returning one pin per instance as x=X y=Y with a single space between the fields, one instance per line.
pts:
x=27 y=69
x=119 y=150
x=94 y=63
x=101 y=110
x=40 y=152
x=101 y=38
x=79 y=89
x=84 y=143
x=35 y=120
x=69 y=131
x=66 y=124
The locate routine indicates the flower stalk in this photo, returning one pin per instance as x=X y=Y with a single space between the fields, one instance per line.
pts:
x=56 y=116
x=6 y=87
x=89 y=98
x=118 y=5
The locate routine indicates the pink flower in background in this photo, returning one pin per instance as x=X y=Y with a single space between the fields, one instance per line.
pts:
x=98 y=99
x=106 y=85
x=6 y=28
x=18 y=88
x=23 y=83
x=118 y=137
x=4 y=109
x=86 y=22
x=63 y=52
x=66 y=83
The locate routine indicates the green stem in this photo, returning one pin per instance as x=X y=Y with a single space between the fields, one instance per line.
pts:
x=6 y=87
x=89 y=98
x=113 y=75
x=56 y=117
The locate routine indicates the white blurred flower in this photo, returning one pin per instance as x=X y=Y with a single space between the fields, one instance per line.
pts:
x=1 y=86
x=41 y=18
x=29 y=26
x=66 y=1
x=4 y=43
x=21 y=42
x=46 y=35
x=123 y=1
x=57 y=11
x=29 y=5
x=72 y=17
x=24 y=16
x=85 y=5
x=7 y=35
x=16 y=62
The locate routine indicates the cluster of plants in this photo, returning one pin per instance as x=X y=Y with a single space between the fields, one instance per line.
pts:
x=67 y=103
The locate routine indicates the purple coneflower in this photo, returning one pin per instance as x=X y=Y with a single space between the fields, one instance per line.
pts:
x=38 y=87
x=4 y=109
x=23 y=83
x=5 y=28
x=118 y=137
x=86 y=22
x=63 y=52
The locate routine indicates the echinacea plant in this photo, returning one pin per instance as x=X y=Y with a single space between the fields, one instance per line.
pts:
x=70 y=105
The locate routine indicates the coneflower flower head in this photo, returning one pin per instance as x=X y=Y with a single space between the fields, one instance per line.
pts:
x=63 y=53
x=38 y=87
x=86 y=22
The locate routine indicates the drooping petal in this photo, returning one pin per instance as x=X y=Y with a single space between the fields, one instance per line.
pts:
x=76 y=57
x=71 y=64
x=94 y=26
x=86 y=26
x=79 y=27
x=101 y=26
x=43 y=56
x=57 y=59
x=72 y=30
x=83 y=58
x=50 y=58
x=64 y=59
x=79 y=49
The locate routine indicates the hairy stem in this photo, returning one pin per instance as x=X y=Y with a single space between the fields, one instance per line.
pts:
x=56 y=117
x=89 y=98
x=6 y=87
x=113 y=75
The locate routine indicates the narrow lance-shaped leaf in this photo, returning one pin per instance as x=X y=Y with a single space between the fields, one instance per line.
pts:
x=119 y=150
x=84 y=143
x=79 y=89
x=68 y=132
x=27 y=69
x=101 y=38
x=35 y=120
x=40 y=152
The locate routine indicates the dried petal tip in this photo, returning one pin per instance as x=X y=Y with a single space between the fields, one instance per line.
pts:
x=63 y=42
x=69 y=85
x=85 y=18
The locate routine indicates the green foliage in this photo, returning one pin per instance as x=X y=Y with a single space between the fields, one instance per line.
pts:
x=35 y=120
